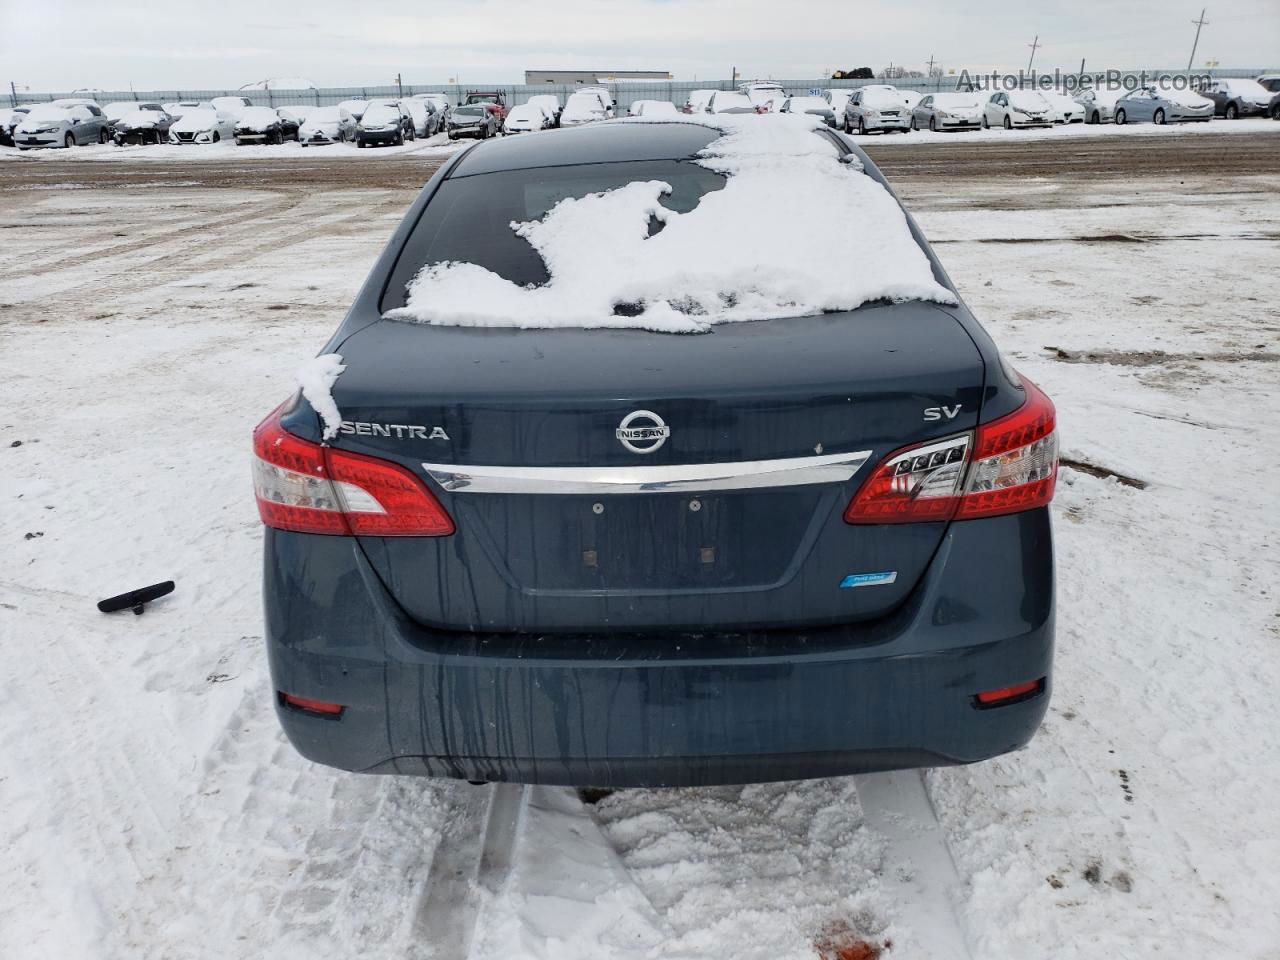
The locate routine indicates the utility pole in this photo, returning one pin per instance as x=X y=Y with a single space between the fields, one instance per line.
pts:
x=931 y=64
x=399 y=87
x=13 y=93
x=1202 y=22
x=1034 y=44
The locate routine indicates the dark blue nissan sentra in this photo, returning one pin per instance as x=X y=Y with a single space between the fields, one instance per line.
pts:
x=782 y=549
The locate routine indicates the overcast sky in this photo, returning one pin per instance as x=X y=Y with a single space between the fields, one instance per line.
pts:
x=110 y=44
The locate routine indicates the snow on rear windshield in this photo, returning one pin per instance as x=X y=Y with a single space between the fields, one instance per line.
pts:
x=766 y=223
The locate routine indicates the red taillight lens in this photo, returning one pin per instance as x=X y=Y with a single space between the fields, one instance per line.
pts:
x=1003 y=695
x=1015 y=460
x=1008 y=465
x=304 y=487
x=311 y=706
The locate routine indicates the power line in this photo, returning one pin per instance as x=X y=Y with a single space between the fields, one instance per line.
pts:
x=1034 y=44
x=1195 y=43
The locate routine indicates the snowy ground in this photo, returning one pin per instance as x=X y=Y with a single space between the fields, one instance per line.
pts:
x=151 y=808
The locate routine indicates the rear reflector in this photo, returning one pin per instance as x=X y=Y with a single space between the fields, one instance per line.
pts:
x=1003 y=695
x=308 y=488
x=311 y=706
x=1005 y=466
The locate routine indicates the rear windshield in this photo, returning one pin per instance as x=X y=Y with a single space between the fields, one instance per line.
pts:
x=469 y=219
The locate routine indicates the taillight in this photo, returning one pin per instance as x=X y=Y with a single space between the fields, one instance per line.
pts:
x=1006 y=466
x=307 y=488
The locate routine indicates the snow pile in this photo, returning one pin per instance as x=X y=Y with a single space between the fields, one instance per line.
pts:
x=316 y=377
x=793 y=233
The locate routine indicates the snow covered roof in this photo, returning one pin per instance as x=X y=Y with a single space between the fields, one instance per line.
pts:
x=793 y=232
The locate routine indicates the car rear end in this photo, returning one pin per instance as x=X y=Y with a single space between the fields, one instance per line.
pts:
x=783 y=549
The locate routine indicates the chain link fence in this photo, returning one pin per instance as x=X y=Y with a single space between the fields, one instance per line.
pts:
x=624 y=92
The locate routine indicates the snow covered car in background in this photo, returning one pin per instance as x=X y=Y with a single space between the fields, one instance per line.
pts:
x=118 y=108
x=355 y=107
x=948 y=111
x=495 y=100
x=422 y=113
x=383 y=124
x=9 y=119
x=582 y=108
x=1017 y=108
x=148 y=123
x=1151 y=105
x=876 y=108
x=1065 y=109
x=910 y=98
x=177 y=108
x=1234 y=98
x=837 y=98
x=441 y=103
x=525 y=118
x=549 y=104
x=234 y=106
x=327 y=125
x=50 y=125
x=264 y=125
x=203 y=126
x=760 y=92
x=727 y=101
x=815 y=106
x=696 y=102
x=654 y=108
x=473 y=120
x=1099 y=103
x=524 y=527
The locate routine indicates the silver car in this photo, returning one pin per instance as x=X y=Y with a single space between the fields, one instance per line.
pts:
x=1149 y=105
x=816 y=106
x=49 y=125
x=1099 y=103
x=876 y=108
x=948 y=111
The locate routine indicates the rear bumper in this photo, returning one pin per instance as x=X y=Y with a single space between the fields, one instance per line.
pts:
x=666 y=710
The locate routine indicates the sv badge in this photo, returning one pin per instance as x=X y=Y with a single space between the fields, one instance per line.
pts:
x=941 y=413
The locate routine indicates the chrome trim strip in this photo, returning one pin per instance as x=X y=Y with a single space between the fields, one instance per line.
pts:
x=741 y=475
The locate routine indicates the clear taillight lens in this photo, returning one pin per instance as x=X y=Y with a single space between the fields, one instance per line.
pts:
x=307 y=488
x=1006 y=466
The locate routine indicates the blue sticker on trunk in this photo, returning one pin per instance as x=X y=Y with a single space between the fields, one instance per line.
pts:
x=869 y=579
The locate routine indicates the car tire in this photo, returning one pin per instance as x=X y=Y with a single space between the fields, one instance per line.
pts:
x=102 y=136
x=1158 y=117
x=360 y=144
x=862 y=126
x=68 y=141
x=1121 y=117
x=1008 y=124
x=1232 y=112
x=217 y=137
x=986 y=124
x=913 y=124
x=933 y=124
x=1096 y=118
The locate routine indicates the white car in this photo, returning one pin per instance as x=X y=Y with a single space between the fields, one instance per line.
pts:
x=525 y=118
x=178 y=108
x=1065 y=109
x=875 y=108
x=442 y=104
x=654 y=108
x=606 y=97
x=728 y=101
x=549 y=104
x=948 y=110
x=837 y=97
x=327 y=125
x=424 y=123
x=696 y=102
x=582 y=108
x=1099 y=103
x=203 y=126
x=1017 y=108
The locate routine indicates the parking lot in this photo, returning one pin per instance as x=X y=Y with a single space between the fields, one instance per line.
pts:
x=158 y=303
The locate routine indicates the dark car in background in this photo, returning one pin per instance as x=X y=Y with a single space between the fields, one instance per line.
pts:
x=384 y=124
x=618 y=557
x=265 y=125
x=473 y=120
x=1234 y=98
x=147 y=123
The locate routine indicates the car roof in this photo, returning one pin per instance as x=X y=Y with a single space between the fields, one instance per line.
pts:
x=604 y=142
